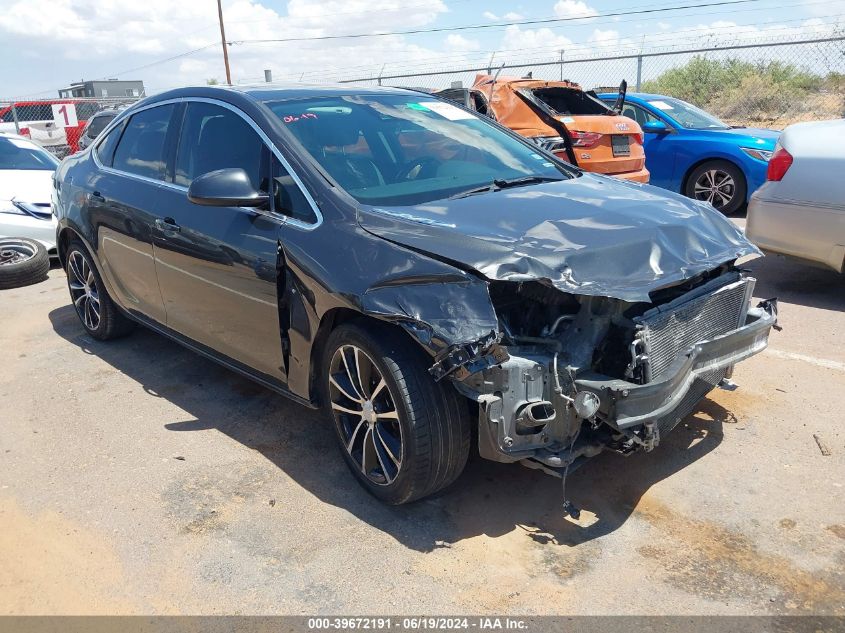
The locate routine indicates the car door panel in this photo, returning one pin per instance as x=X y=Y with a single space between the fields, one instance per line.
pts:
x=121 y=200
x=217 y=275
x=122 y=212
x=217 y=265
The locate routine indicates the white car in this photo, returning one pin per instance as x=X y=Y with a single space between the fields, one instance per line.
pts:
x=800 y=210
x=26 y=180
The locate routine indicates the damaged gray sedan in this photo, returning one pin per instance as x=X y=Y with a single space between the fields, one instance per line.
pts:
x=413 y=269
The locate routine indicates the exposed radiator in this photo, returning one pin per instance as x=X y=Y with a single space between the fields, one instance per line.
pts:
x=716 y=308
x=701 y=386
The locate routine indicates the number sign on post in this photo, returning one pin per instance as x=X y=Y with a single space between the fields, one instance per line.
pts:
x=64 y=115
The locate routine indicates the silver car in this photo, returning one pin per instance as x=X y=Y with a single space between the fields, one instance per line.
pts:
x=96 y=124
x=800 y=210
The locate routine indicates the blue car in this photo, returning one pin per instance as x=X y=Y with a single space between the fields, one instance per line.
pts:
x=692 y=152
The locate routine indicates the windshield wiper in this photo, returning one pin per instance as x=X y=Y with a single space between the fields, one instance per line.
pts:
x=504 y=183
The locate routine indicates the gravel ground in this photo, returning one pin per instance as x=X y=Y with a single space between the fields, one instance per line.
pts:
x=137 y=477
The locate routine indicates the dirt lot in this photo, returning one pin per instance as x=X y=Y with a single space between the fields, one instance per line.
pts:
x=136 y=477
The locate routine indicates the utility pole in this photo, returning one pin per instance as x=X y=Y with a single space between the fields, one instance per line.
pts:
x=223 y=40
x=561 y=64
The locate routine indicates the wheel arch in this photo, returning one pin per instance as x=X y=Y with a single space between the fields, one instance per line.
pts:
x=329 y=322
x=710 y=159
x=65 y=237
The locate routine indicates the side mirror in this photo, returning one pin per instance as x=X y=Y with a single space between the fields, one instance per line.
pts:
x=655 y=127
x=226 y=188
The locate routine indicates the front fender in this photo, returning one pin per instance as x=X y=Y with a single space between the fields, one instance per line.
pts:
x=450 y=316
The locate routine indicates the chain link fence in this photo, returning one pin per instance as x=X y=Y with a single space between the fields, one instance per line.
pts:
x=754 y=83
x=55 y=124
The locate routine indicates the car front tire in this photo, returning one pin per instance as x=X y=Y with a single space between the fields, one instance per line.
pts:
x=718 y=182
x=403 y=435
x=98 y=313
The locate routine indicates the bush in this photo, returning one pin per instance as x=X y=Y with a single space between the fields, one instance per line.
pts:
x=752 y=95
x=741 y=90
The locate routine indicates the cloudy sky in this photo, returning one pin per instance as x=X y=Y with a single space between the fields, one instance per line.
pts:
x=46 y=44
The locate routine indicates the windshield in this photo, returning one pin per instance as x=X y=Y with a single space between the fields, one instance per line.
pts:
x=22 y=154
x=408 y=149
x=687 y=115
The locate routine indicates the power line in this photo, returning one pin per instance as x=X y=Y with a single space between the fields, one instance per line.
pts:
x=136 y=68
x=157 y=62
x=497 y=25
x=659 y=40
x=597 y=59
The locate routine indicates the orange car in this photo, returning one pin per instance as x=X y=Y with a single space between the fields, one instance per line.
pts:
x=564 y=119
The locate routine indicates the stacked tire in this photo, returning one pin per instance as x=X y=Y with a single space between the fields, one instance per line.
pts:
x=22 y=262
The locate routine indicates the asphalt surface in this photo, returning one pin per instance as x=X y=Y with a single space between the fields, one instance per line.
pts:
x=137 y=477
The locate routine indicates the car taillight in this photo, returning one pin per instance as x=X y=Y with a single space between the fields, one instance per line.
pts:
x=24 y=131
x=584 y=139
x=779 y=163
x=638 y=138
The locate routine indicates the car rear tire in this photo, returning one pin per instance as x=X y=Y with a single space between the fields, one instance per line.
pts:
x=22 y=262
x=718 y=182
x=99 y=315
x=403 y=435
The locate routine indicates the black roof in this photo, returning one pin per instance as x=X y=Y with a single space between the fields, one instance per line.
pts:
x=273 y=92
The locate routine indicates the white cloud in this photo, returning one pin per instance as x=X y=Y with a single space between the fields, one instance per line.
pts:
x=606 y=38
x=67 y=40
x=543 y=38
x=457 y=42
x=574 y=9
x=510 y=15
x=98 y=38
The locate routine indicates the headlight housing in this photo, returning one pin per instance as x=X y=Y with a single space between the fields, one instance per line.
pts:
x=759 y=154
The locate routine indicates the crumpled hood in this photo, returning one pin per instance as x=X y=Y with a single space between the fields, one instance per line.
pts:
x=590 y=235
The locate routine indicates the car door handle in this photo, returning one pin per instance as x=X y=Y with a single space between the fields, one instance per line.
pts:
x=167 y=224
x=96 y=196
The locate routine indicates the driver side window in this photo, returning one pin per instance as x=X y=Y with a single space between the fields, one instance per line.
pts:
x=214 y=137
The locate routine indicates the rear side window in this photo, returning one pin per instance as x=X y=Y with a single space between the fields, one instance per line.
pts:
x=141 y=149
x=214 y=138
x=105 y=148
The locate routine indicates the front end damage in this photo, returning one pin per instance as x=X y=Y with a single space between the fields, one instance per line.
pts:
x=571 y=376
x=590 y=314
